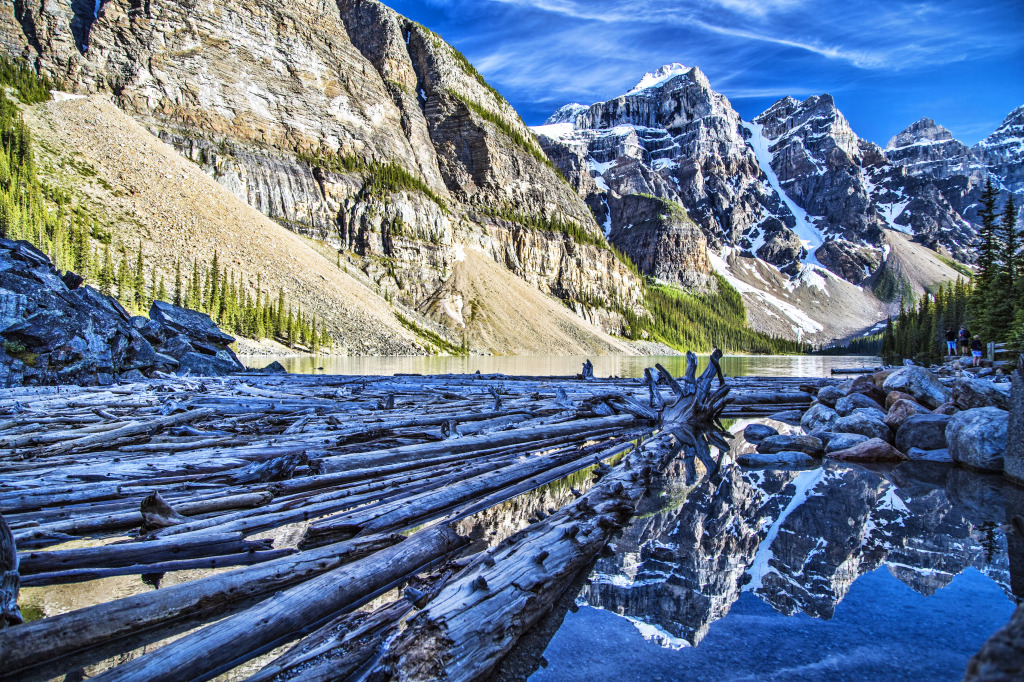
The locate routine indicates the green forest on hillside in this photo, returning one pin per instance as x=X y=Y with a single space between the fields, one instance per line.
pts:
x=44 y=216
x=990 y=306
x=701 y=322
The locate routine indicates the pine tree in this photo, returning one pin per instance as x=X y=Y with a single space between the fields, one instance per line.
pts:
x=988 y=263
x=106 y=274
x=177 y=282
x=139 y=281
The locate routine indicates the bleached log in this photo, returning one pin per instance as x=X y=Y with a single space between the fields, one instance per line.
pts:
x=202 y=653
x=41 y=642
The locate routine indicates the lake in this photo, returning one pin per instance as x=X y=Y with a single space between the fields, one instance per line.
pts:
x=614 y=365
x=839 y=572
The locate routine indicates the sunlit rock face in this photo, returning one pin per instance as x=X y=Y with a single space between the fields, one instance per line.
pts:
x=260 y=94
x=798 y=540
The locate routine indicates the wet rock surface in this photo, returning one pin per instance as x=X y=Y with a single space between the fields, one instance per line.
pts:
x=977 y=438
x=56 y=334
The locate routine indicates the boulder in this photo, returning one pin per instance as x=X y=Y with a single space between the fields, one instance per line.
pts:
x=919 y=455
x=920 y=383
x=199 y=364
x=878 y=378
x=864 y=425
x=977 y=438
x=177 y=346
x=843 y=441
x=755 y=433
x=924 y=431
x=791 y=417
x=897 y=395
x=871 y=450
x=191 y=323
x=819 y=416
x=946 y=408
x=829 y=395
x=847 y=404
x=900 y=410
x=277 y=368
x=971 y=393
x=781 y=443
x=866 y=386
x=786 y=458
x=870 y=412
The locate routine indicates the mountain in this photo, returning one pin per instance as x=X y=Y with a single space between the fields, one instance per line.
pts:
x=366 y=134
x=793 y=206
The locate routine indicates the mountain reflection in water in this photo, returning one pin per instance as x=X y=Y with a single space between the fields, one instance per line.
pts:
x=796 y=539
x=795 y=542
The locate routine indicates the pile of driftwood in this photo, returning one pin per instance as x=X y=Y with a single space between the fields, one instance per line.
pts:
x=281 y=504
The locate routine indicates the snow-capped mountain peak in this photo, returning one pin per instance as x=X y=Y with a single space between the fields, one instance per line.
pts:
x=659 y=76
x=566 y=114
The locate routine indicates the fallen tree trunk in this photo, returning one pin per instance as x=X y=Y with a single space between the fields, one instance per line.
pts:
x=41 y=642
x=202 y=654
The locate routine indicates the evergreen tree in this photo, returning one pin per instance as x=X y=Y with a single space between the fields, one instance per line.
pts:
x=988 y=264
x=106 y=274
x=177 y=282
x=139 y=281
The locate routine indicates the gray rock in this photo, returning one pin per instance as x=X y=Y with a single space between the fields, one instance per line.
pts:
x=785 y=458
x=277 y=368
x=177 y=346
x=791 y=417
x=829 y=395
x=864 y=425
x=919 y=455
x=871 y=450
x=755 y=433
x=920 y=383
x=870 y=412
x=131 y=376
x=847 y=404
x=1014 y=463
x=977 y=438
x=191 y=323
x=819 y=416
x=843 y=441
x=780 y=443
x=198 y=364
x=924 y=431
x=971 y=393
x=901 y=410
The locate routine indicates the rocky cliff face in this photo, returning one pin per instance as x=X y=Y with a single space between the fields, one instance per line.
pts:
x=345 y=122
x=1003 y=151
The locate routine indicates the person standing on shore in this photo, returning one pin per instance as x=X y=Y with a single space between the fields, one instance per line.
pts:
x=976 y=349
x=950 y=341
x=965 y=339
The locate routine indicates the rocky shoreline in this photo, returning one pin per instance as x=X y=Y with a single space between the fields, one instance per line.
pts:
x=953 y=415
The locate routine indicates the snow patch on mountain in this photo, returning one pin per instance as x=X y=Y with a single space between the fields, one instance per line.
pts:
x=802 y=323
x=809 y=235
x=659 y=76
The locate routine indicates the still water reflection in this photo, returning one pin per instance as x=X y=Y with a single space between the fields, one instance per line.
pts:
x=839 y=572
x=615 y=365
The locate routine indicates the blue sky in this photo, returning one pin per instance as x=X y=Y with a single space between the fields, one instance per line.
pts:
x=887 y=63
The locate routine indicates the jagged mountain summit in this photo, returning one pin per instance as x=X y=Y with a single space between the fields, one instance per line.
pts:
x=792 y=205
